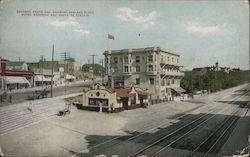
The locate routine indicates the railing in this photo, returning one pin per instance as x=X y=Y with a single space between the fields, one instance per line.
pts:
x=172 y=73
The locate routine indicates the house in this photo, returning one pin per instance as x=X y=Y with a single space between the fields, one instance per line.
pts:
x=16 y=65
x=215 y=67
x=14 y=75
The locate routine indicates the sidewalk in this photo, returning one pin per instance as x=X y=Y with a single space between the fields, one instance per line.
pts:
x=54 y=86
x=18 y=116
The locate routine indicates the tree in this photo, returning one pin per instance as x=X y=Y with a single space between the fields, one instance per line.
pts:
x=213 y=80
x=96 y=68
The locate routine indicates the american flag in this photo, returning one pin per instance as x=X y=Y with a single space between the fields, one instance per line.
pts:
x=111 y=37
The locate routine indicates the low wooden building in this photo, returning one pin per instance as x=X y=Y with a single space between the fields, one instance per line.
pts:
x=114 y=100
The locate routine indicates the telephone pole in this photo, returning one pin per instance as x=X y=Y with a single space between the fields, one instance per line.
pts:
x=65 y=57
x=93 y=62
x=102 y=74
x=42 y=58
x=52 y=72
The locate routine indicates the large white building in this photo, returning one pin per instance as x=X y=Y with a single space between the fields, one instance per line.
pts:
x=152 y=68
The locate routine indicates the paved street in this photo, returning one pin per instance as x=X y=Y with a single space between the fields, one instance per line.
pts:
x=212 y=125
x=19 y=96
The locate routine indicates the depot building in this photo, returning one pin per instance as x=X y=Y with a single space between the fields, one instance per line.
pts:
x=114 y=99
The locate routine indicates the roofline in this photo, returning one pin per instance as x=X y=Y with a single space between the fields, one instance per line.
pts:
x=122 y=51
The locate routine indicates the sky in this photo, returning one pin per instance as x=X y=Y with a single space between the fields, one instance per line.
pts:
x=202 y=32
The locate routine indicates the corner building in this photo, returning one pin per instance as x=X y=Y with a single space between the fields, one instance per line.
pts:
x=151 y=68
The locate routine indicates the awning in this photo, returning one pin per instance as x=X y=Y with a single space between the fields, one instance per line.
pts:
x=40 y=78
x=179 y=89
x=13 y=80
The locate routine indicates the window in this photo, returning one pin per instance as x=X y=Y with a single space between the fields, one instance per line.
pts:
x=137 y=59
x=142 y=57
x=168 y=83
x=150 y=58
x=152 y=81
x=115 y=69
x=137 y=69
x=172 y=59
x=177 y=60
x=125 y=59
x=120 y=59
x=150 y=68
x=107 y=60
x=126 y=69
x=163 y=82
x=137 y=80
x=115 y=60
x=96 y=102
x=172 y=81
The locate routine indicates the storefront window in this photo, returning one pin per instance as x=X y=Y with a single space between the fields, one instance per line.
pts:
x=96 y=102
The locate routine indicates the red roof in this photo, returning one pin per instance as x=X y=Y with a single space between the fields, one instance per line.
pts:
x=125 y=92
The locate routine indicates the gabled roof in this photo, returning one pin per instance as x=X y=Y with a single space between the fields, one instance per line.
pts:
x=126 y=92
x=123 y=92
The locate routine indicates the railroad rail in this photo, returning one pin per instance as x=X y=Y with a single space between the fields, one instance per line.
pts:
x=182 y=130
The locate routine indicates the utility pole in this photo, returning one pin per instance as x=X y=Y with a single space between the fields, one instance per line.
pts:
x=42 y=57
x=102 y=75
x=65 y=57
x=2 y=84
x=52 y=72
x=93 y=62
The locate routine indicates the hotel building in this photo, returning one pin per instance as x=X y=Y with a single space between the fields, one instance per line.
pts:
x=151 y=68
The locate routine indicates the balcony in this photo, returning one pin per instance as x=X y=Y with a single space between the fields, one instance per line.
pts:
x=151 y=72
x=126 y=73
x=172 y=73
x=168 y=64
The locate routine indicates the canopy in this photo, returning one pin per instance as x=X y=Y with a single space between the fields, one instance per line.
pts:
x=13 y=80
x=42 y=78
x=179 y=89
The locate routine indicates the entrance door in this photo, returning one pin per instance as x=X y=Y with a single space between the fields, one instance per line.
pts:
x=141 y=100
x=125 y=103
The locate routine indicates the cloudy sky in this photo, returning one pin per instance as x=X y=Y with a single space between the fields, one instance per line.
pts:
x=202 y=32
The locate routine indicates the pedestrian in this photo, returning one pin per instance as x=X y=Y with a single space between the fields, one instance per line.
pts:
x=66 y=109
x=10 y=98
x=100 y=104
x=112 y=107
x=69 y=107
x=30 y=107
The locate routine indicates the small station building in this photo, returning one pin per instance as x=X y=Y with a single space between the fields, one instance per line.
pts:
x=115 y=99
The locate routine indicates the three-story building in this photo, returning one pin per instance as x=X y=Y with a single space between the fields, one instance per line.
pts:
x=153 y=68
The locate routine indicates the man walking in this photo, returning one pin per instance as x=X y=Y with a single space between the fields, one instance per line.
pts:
x=100 y=104
x=10 y=98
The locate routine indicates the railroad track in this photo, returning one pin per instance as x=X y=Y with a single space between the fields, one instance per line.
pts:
x=120 y=140
x=213 y=142
x=221 y=131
